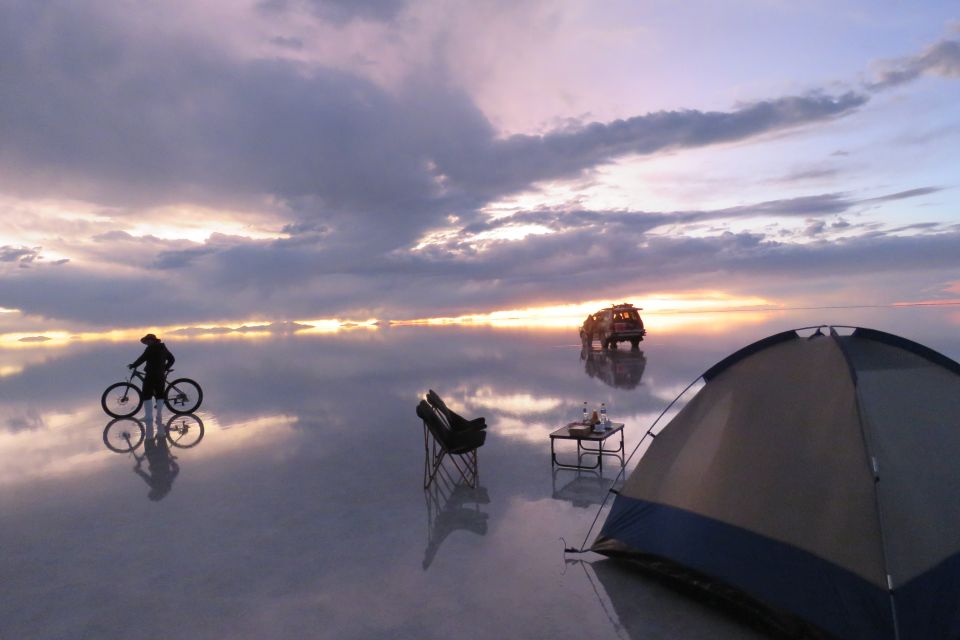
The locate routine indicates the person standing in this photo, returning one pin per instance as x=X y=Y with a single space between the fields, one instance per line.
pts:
x=157 y=359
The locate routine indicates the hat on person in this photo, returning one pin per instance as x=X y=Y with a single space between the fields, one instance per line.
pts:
x=147 y=339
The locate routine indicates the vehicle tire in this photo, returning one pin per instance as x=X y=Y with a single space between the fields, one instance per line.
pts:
x=183 y=396
x=121 y=400
x=123 y=434
x=635 y=343
x=185 y=431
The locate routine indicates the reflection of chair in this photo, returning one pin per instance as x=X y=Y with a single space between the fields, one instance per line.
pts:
x=448 y=511
x=440 y=441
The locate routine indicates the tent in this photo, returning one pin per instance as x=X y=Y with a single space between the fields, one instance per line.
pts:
x=815 y=476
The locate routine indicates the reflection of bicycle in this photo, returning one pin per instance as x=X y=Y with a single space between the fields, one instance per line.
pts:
x=185 y=431
x=124 y=399
x=126 y=434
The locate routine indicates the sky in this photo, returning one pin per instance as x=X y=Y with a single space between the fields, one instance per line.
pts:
x=197 y=163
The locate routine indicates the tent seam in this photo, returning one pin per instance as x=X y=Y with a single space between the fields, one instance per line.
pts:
x=874 y=467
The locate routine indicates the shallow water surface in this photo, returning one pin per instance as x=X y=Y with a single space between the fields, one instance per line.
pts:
x=300 y=511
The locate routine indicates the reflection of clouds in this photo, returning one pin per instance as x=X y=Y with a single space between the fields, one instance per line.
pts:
x=229 y=331
x=512 y=403
x=60 y=445
x=536 y=432
x=253 y=434
x=667 y=392
x=313 y=453
x=10 y=369
x=259 y=422
x=30 y=418
x=67 y=443
x=15 y=361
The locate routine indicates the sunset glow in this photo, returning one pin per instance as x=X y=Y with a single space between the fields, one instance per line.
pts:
x=572 y=315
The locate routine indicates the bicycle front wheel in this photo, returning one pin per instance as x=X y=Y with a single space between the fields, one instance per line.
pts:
x=183 y=396
x=121 y=400
x=123 y=434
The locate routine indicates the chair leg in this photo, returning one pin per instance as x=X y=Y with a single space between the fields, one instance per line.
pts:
x=468 y=471
x=466 y=464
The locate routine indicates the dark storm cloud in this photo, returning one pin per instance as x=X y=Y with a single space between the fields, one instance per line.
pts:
x=102 y=116
x=942 y=59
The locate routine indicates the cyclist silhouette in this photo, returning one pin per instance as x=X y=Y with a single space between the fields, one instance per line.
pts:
x=162 y=468
x=158 y=359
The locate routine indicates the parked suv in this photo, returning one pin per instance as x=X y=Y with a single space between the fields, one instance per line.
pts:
x=619 y=323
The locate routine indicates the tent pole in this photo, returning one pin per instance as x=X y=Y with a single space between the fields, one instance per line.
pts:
x=623 y=467
x=875 y=471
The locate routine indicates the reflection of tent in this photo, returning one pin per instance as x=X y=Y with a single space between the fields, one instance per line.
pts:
x=643 y=608
x=819 y=477
x=622 y=369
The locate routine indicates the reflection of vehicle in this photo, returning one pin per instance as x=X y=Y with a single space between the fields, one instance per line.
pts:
x=619 y=323
x=622 y=369
x=123 y=399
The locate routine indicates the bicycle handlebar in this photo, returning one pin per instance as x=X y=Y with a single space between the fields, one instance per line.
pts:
x=135 y=372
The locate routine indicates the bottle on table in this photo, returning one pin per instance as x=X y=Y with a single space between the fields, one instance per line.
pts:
x=586 y=413
x=603 y=415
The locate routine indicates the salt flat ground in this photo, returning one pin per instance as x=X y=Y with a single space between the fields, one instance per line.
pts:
x=300 y=513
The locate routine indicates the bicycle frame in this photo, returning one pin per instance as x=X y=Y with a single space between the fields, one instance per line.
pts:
x=142 y=377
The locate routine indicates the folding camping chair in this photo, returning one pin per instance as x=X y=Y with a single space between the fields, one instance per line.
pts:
x=454 y=419
x=441 y=442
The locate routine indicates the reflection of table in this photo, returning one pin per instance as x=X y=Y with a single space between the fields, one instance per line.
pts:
x=582 y=488
x=599 y=437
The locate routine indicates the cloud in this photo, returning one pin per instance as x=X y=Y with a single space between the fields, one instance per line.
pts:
x=19 y=254
x=500 y=167
x=903 y=195
x=147 y=122
x=804 y=175
x=354 y=174
x=338 y=11
x=589 y=254
x=827 y=204
x=941 y=59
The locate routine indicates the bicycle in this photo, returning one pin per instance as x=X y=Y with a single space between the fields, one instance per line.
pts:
x=122 y=435
x=123 y=399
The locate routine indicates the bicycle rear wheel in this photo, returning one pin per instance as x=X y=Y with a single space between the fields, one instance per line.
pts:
x=185 y=431
x=121 y=400
x=183 y=396
x=123 y=434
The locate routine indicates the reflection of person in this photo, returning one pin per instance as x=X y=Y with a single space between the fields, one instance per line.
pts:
x=158 y=359
x=162 y=466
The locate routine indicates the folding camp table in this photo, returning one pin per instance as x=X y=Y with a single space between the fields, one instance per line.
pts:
x=599 y=437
